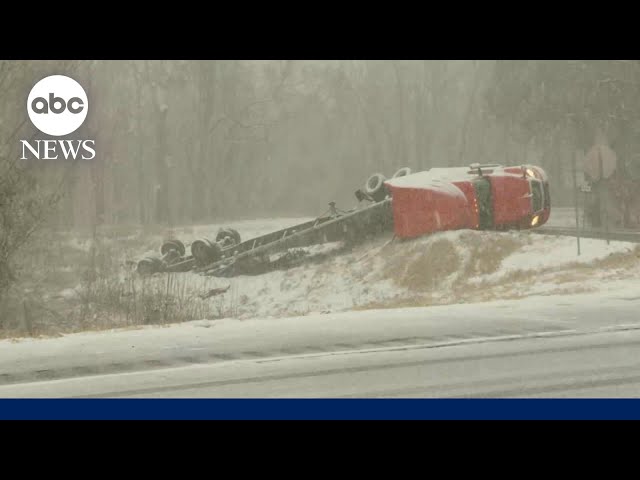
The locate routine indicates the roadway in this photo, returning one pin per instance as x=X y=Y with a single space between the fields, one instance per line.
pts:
x=554 y=346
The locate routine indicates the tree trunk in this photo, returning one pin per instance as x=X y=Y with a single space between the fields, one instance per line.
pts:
x=469 y=113
x=163 y=215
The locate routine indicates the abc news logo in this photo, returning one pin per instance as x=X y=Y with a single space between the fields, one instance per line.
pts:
x=40 y=105
x=57 y=106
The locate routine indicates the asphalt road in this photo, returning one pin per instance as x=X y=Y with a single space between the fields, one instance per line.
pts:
x=574 y=346
x=588 y=365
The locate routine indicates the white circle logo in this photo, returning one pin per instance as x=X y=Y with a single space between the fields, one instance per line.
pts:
x=57 y=105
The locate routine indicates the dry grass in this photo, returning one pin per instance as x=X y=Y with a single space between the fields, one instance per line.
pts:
x=615 y=260
x=434 y=272
x=427 y=271
x=487 y=256
x=415 y=265
x=104 y=291
x=426 y=265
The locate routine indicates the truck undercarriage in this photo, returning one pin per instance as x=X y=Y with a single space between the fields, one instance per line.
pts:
x=228 y=255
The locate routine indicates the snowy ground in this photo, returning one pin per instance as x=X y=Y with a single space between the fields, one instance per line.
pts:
x=441 y=269
x=565 y=217
x=571 y=342
x=448 y=267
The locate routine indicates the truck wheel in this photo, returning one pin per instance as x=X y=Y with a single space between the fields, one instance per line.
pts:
x=205 y=251
x=236 y=235
x=171 y=257
x=149 y=266
x=402 y=172
x=375 y=187
x=176 y=245
x=228 y=232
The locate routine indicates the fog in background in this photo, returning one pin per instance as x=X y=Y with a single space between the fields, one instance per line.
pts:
x=197 y=141
x=184 y=147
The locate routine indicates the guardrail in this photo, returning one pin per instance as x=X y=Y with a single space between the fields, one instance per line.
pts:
x=615 y=235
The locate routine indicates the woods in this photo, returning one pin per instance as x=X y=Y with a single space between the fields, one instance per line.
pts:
x=565 y=108
x=181 y=142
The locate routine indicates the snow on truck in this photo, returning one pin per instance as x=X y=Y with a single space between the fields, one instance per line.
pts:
x=480 y=197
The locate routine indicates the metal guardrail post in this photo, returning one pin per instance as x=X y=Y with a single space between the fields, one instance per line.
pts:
x=575 y=201
x=603 y=197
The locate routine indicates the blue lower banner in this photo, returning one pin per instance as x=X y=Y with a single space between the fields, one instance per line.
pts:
x=320 y=409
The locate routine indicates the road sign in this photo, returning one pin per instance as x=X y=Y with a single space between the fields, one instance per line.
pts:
x=600 y=161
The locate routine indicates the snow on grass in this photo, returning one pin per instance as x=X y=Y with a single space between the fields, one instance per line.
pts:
x=444 y=268
x=334 y=284
x=554 y=252
x=447 y=267
x=467 y=266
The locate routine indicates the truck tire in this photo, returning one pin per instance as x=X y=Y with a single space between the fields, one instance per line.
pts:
x=205 y=251
x=236 y=235
x=402 y=172
x=375 y=187
x=149 y=266
x=173 y=245
x=229 y=232
x=171 y=257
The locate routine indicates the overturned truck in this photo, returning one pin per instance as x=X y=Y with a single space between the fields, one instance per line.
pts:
x=481 y=197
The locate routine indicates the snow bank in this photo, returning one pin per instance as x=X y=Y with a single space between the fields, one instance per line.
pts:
x=553 y=252
x=446 y=267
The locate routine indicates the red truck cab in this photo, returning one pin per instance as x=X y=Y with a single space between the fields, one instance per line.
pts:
x=482 y=197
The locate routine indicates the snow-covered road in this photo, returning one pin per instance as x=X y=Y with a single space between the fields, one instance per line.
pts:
x=588 y=365
x=96 y=364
